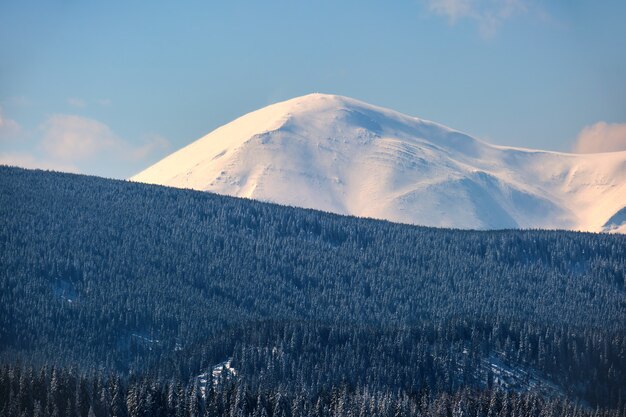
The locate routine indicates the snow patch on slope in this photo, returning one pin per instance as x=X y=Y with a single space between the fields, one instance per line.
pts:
x=218 y=373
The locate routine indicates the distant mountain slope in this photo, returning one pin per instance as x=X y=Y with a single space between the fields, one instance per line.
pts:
x=341 y=155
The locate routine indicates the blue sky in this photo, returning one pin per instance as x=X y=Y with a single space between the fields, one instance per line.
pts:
x=108 y=88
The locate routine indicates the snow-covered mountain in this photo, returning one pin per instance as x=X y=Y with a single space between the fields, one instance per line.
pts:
x=341 y=155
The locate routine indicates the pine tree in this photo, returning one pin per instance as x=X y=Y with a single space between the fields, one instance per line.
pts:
x=118 y=406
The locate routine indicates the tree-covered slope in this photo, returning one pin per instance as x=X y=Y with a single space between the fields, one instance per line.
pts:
x=98 y=272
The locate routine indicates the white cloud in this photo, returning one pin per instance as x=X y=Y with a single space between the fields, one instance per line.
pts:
x=453 y=9
x=601 y=137
x=79 y=144
x=152 y=144
x=488 y=14
x=26 y=160
x=8 y=128
x=76 y=138
x=76 y=102
x=69 y=137
x=81 y=103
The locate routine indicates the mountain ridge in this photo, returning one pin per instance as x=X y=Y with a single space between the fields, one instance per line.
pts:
x=345 y=156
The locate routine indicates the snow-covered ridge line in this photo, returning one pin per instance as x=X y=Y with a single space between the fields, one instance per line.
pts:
x=345 y=156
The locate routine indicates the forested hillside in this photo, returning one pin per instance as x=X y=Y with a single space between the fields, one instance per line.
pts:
x=118 y=295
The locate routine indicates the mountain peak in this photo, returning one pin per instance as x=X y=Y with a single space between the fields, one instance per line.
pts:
x=322 y=99
x=338 y=154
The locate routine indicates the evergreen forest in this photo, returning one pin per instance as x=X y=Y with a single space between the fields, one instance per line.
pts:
x=125 y=299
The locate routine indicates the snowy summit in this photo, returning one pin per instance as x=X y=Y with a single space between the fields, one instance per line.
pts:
x=344 y=156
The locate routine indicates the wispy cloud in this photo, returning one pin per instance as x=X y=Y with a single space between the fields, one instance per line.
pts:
x=69 y=137
x=9 y=128
x=26 y=160
x=489 y=15
x=76 y=102
x=152 y=144
x=82 y=103
x=80 y=144
x=601 y=137
x=75 y=138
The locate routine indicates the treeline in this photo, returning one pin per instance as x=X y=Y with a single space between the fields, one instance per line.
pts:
x=28 y=392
